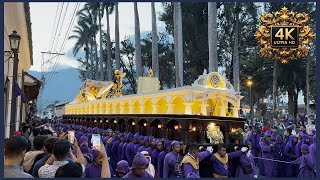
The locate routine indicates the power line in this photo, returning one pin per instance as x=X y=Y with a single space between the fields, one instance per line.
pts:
x=54 y=24
x=64 y=16
x=65 y=39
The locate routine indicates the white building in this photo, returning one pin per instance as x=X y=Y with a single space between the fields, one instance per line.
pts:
x=59 y=109
x=16 y=18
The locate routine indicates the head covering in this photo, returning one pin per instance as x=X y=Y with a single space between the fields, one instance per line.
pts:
x=274 y=135
x=136 y=136
x=90 y=157
x=279 y=139
x=158 y=142
x=83 y=139
x=291 y=143
x=305 y=147
x=146 y=139
x=139 y=161
x=141 y=138
x=175 y=143
x=151 y=138
x=146 y=154
x=267 y=134
x=166 y=144
x=121 y=135
x=129 y=136
x=123 y=167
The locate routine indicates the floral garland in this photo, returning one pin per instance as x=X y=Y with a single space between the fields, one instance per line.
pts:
x=236 y=133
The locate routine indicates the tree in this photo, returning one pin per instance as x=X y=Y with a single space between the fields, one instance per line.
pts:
x=212 y=36
x=117 y=41
x=178 y=41
x=155 y=57
x=137 y=41
x=236 y=71
x=109 y=6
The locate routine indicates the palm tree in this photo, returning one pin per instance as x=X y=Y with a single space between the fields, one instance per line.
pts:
x=274 y=89
x=117 y=38
x=101 y=10
x=85 y=30
x=81 y=33
x=109 y=6
x=137 y=41
x=178 y=43
x=236 y=70
x=212 y=36
x=155 y=56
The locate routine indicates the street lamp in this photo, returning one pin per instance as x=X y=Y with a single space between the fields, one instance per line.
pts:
x=14 y=45
x=249 y=83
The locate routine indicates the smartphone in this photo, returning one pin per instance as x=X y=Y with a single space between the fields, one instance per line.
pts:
x=71 y=136
x=95 y=140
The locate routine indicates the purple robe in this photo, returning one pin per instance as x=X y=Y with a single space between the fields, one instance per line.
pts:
x=169 y=164
x=154 y=158
x=123 y=152
x=188 y=168
x=94 y=171
x=219 y=167
x=289 y=152
x=141 y=148
x=131 y=175
x=306 y=166
x=136 y=147
x=312 y=151
x=114 y=154
x=150 y=149
x=109 y=147
x=279 y=147
x=161 y=157
x=130 y=153
x=120 y=150
x=267 y=152
x=246 y=160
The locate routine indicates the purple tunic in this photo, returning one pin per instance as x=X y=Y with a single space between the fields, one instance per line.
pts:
x=219 y=167
x=312 y=150
x=245 y=160
x=289 y=152
x=130 y=153
x=120 y=151
x=123 y=153
x=161 y=157
x=141 y=148
x=267 y=152
x=306 y=166
x=150 y=149
x=188 y=168
x=170 y=161
x=131 y=175
x=136 y=147
x=114 y=154
x=154 y=158
x=93 y=171
x=254 y=140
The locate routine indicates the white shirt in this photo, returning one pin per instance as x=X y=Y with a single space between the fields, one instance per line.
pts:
x=49 y=171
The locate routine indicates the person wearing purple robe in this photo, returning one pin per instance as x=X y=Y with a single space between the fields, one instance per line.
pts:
x=247 y=167
x=156 y=152
x=120 y=147
x=279 y=147
x=122 y=169
x=312 y=150
x=289 y=152
x=138 y=168
x=221 y=160
x=93 y=170
x=254 y=139
x=162 y=155
x=145 y=145
x=152 y=147
x=110 y=142
x=172 y=161
x=130 y=152
x=306 y=165
x=139 y=144
x=267 y=150
x=190 y=162
x=114 y=158
x=124 y=147
x=304 y=139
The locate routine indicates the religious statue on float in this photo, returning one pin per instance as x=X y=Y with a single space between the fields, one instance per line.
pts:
x=116 y=90
x=214 y=134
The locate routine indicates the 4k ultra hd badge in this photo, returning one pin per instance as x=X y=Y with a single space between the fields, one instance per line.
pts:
x=284 y=35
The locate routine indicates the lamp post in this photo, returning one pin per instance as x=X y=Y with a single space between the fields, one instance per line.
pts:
x=249 y=82
x=14 y=44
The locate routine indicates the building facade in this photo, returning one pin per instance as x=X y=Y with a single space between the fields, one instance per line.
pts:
x=16 y=18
